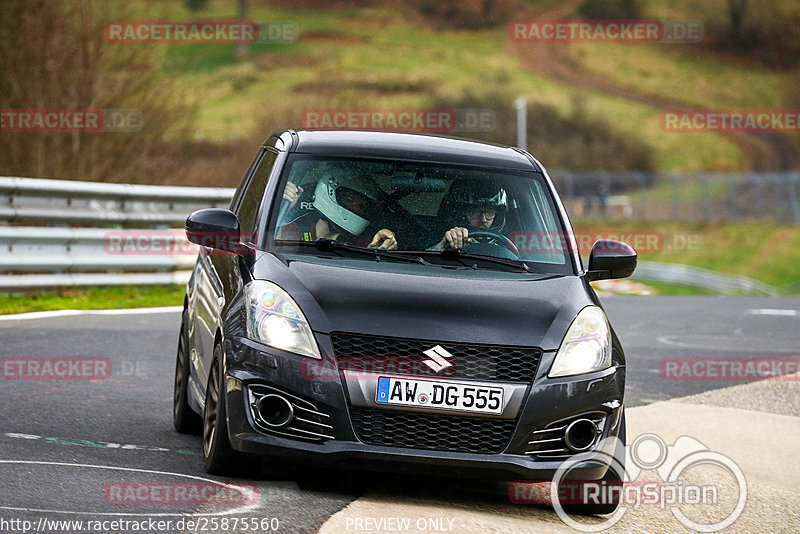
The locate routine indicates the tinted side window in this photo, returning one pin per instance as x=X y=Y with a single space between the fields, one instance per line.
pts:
x=254 y=194
x=237 y=195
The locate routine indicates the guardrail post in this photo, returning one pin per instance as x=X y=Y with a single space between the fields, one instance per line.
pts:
x=641 y=180
x=732 y=185
x=675 y=195
x=794 y=209
x=522 y=122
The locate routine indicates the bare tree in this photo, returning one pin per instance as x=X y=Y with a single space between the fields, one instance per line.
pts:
x=55 y=56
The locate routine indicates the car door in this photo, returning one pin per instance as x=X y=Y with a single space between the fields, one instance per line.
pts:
x=207 y=294
x=218 y=275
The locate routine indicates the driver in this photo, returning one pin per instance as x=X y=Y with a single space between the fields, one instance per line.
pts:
x=474 y=205
x=342 y=211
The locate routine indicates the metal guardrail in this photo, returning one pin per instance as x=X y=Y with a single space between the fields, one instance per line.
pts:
x=34 y=200
x=698 y=196
x=53 y=256
x=64 y=255
x=674 y=273
x=36 y=249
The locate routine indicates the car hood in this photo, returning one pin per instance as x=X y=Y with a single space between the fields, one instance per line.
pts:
x=430 y=302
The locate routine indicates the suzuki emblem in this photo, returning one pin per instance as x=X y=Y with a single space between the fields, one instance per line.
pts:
x=438 y=358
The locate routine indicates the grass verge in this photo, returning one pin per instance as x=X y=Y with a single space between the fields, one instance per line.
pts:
x=764 y=251
x=93 y=298
x=663 y=289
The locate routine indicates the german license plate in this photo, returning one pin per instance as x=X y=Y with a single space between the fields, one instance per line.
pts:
x=438 y=394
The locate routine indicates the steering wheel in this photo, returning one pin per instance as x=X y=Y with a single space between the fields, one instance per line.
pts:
x=488 y=235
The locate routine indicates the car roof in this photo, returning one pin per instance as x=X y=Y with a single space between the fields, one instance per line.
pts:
x=406 y=146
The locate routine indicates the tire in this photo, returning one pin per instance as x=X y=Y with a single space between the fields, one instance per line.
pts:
x=219 y=458
x=612 y=476
x=184 y=419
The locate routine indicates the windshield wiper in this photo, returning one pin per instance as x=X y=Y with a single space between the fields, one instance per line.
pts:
x=329 y=245
x=413 y=256
x=459 y=255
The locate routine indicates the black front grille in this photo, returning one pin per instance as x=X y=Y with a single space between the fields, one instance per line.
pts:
x=377 y=354
x=433 y=432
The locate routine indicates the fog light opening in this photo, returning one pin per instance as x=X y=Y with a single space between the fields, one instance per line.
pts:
x=580 y=435
x=275 y=411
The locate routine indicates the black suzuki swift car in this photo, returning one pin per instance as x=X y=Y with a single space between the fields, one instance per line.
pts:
x=404 y=300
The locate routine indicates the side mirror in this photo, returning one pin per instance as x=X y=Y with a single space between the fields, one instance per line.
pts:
x=216 y=228
x=611 y=259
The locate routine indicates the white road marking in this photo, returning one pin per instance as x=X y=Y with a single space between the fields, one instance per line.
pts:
x=718 y=343
x=235 y=510
x=94 y=444
x=69 y=313
x=770 y=311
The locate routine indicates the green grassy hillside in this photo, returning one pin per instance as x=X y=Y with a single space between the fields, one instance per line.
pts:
x=381 y=57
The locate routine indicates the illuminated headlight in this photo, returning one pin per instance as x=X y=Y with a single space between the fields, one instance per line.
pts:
x=274 y=319
x=586 y=347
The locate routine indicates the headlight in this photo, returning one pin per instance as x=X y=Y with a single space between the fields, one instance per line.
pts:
x=274 y=319
x=586 y=347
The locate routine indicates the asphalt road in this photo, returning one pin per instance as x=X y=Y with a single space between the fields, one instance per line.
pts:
x=656 y=329
x=67 y=445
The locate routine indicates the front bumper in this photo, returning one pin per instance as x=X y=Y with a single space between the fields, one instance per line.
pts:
x=320 y=384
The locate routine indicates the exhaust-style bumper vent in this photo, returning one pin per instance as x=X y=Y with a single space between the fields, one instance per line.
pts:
x=304 y=422
x=552 y=442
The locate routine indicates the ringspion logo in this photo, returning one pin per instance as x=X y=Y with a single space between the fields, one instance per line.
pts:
x=676 y=487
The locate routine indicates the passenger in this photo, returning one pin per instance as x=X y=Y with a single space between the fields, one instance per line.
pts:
x=342 y=211
x=476 y=205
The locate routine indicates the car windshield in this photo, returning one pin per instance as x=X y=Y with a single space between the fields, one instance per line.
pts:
x=424 y=207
